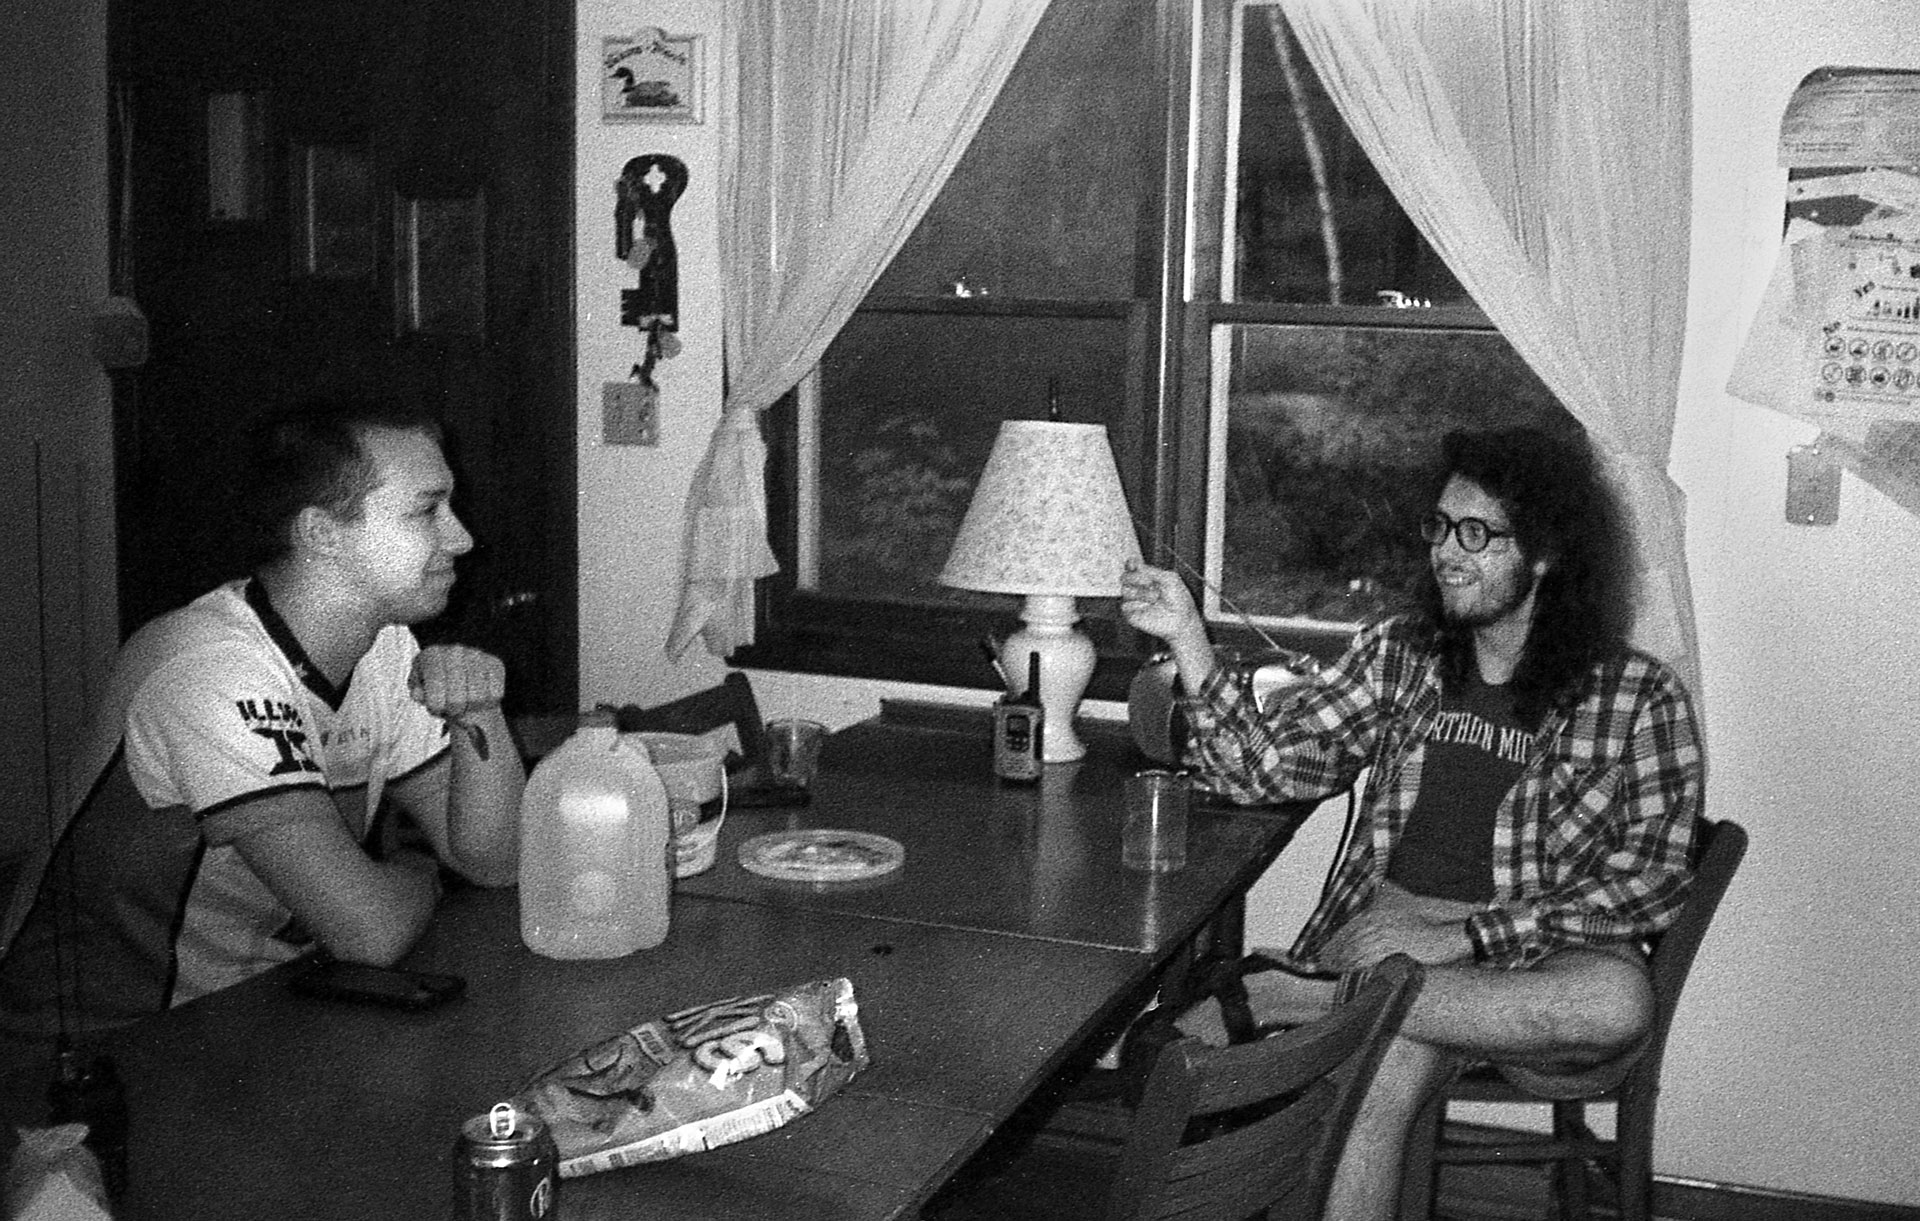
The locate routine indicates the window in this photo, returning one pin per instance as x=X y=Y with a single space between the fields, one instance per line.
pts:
x=1273 y=347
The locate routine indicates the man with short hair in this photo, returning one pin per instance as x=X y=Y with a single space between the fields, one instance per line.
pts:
x=1533 y=787
x=222 y=814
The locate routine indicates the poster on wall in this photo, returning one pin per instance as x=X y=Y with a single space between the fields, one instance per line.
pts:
x=650 y=76
x=1836 y=339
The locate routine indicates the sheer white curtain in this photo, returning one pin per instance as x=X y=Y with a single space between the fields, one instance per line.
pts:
x=1543 y=148
x=848 y=116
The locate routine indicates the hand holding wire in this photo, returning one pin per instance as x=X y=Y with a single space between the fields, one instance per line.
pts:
x=1156 y=601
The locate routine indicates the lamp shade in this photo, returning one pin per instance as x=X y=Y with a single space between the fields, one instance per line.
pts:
x=1048 y=516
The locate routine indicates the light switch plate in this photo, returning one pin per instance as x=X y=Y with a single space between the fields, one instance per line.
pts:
x=1813 y=486
x=630 y=413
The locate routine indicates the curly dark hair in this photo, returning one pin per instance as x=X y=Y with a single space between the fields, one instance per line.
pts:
x=314 y=454
x=1562 y=510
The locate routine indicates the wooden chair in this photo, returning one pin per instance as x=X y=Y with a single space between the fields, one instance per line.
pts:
x=729 y=703
x=1220 y=1133
x=1626 y=1161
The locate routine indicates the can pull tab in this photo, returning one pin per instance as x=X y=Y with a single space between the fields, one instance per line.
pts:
x=500 y=1120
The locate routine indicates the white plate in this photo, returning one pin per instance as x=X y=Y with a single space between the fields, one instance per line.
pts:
x=821 y=855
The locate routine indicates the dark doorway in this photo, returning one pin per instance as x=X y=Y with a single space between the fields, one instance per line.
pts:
x=353 y=197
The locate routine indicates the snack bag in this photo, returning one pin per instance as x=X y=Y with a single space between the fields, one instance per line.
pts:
x=700 y=1078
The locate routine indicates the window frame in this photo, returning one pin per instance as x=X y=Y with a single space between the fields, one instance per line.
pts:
x=1176 y=311
x=806 y=632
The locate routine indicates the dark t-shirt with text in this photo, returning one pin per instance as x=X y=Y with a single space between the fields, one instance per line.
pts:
x=1474 y=753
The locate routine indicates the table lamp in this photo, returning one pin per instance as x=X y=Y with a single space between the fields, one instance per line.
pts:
x=1048 y=520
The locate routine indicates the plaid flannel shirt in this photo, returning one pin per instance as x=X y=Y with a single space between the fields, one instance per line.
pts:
x=1590 y=845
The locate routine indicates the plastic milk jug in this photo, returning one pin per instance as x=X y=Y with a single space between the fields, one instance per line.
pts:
x=595 y=880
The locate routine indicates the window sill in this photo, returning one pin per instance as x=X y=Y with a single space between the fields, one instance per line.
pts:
x=941 y=646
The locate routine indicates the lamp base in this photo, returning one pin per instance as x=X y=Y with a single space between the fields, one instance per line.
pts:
x=1066 y=667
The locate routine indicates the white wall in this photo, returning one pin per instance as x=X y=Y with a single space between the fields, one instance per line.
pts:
x=1794 y=1060
x=1792 y=1065
x=631 y=497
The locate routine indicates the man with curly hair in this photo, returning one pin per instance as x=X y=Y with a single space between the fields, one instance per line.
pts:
x=1532 y=788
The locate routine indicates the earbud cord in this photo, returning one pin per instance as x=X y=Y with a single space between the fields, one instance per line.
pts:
x=1245 y=619
x=62 y=890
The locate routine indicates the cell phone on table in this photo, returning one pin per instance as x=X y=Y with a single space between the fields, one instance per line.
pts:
x=765 y=794
x=331 y=979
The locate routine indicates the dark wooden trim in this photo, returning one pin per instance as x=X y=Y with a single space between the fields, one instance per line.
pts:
x=999 y=307
x=1687 y=1200
x=1165 y=294
x=1439 y=317
x=965 y=718
x=920 y=644
x=561 y=589
x=1480 y=1193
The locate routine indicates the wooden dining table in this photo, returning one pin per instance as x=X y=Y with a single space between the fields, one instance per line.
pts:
x=1031 y=860
x=1010 y=944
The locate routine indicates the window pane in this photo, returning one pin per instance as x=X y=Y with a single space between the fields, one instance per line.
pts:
x=911 y=405
x=1324 y=462
x=1312 y=221
x=1047 y=200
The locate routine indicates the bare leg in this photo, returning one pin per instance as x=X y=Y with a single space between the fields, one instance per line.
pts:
x=1366 y=1184
x=1574 y=1010
x=1578 y=1007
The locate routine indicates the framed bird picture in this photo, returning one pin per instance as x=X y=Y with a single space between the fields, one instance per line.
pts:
x=651 y=76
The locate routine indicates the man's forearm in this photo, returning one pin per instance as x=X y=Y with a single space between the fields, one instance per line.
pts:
x=379 y=931
x=1194 y=657
x=484 y=784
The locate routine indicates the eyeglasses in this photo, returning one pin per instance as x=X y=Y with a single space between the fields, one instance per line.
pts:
x=1474 y=534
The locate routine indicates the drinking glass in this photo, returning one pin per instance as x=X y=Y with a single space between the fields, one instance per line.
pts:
x=793 y=750
x=1153 y=839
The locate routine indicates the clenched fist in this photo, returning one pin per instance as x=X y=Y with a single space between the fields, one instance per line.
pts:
x=454 y=680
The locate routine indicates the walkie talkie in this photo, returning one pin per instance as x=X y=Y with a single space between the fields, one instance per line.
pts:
x=1019 y=729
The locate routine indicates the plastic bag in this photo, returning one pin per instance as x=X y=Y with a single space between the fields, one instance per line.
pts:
x=700 y=1078
x=53 y=1175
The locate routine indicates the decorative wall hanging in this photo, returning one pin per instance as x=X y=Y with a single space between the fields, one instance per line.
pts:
x=1836 y=339
x=643 y=239
x=651 y=77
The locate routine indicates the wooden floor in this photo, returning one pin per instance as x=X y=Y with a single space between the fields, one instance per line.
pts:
x=1467 y=1193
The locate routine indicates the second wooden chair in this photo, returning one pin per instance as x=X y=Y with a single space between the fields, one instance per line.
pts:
x=1219 y=1133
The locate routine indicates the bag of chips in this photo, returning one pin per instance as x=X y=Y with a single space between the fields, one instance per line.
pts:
x=700 y=1078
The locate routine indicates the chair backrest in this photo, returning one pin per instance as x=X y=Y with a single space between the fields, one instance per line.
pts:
x=1222 y=1133
x=729 y=703
x=1717 y=851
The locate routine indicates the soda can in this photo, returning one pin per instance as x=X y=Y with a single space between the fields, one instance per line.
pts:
x=505 y=1168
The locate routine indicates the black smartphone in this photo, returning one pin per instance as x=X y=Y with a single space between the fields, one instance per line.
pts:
x=765 y=794
x=351 y=981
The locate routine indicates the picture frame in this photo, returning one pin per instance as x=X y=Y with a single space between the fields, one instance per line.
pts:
x=236 y=158
x=651 y=76
x=440 y=266
x=331 y=206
